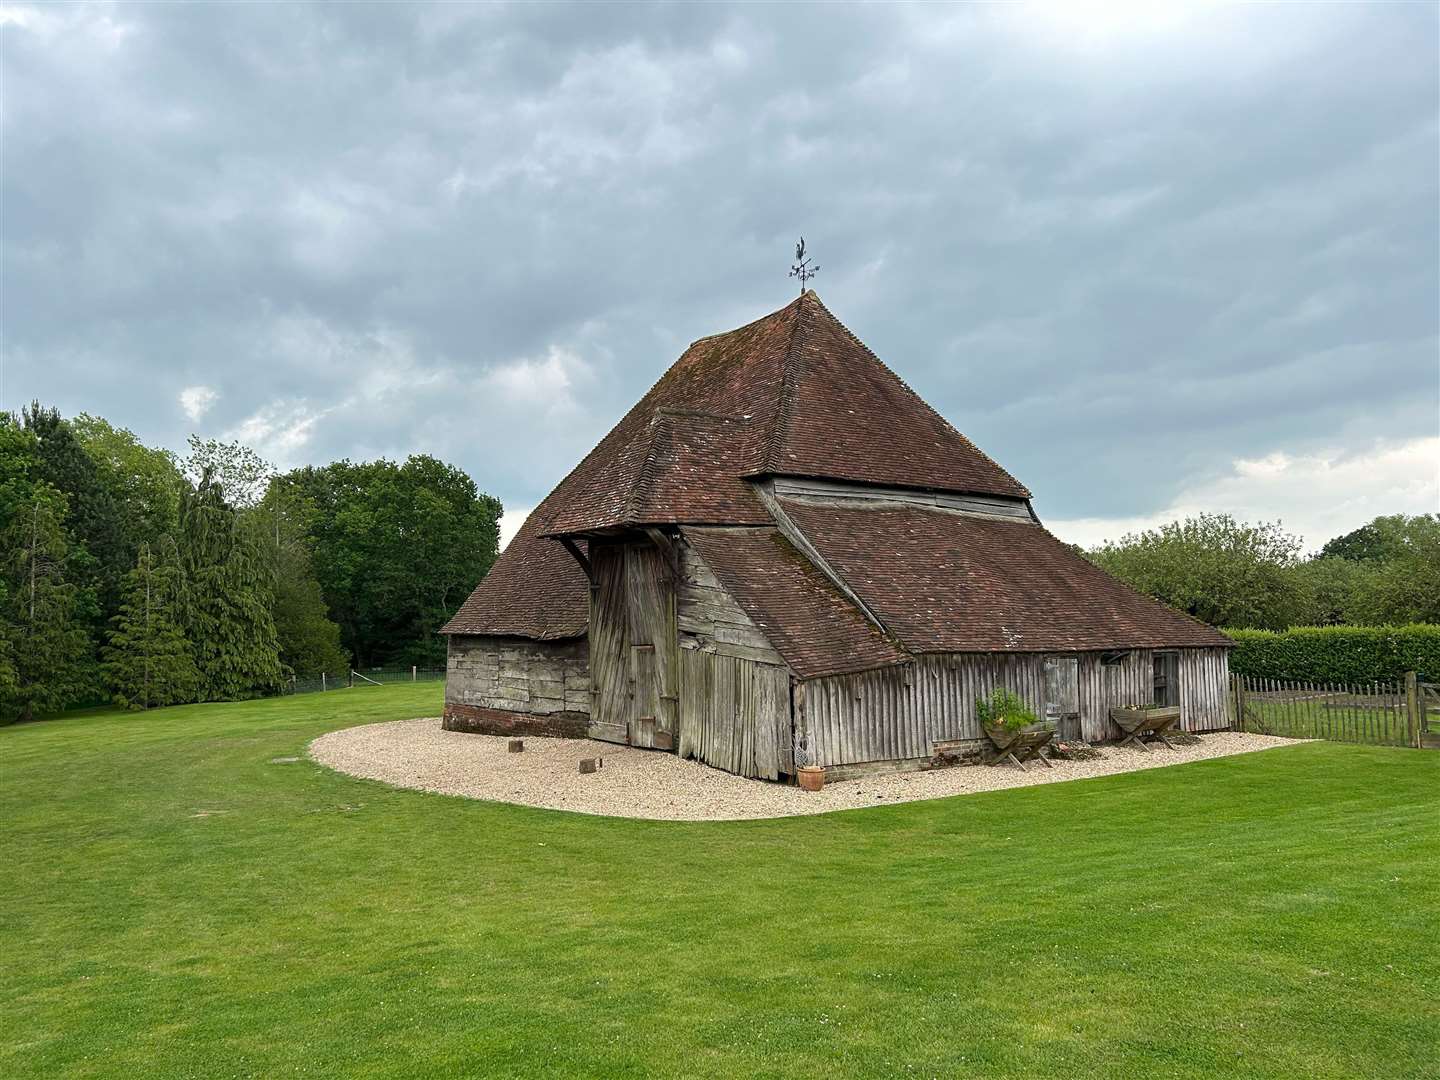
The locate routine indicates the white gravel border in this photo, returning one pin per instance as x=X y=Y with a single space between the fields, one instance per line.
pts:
x=659 y=786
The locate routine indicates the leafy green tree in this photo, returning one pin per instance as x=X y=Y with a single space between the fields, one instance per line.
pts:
x=1223 y=571
x=309 y=639
x=148 y=662
x=93 y=519
x=1403 y=583
x=146 y=481
x=50 y=652
x=396 y=548
x=1327 y=586
x=240 y=471
x=226 y=613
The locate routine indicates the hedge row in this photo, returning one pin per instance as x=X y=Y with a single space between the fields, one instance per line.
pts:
x=1338 y=654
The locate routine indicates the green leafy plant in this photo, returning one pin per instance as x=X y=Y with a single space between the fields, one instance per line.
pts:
x=1338 y=654
x=1003 y=709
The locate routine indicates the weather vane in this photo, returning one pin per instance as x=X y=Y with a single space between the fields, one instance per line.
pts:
x=802 y=268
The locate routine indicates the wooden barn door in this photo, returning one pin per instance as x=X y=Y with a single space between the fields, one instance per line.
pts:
x=650 y=613
x=633 y=646
x=1062 y=695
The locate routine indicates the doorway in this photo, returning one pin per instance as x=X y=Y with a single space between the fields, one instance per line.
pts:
x=633 y=646
x=1166 y=678
x=1062 y=696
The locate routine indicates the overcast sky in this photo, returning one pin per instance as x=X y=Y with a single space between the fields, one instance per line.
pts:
x=1154 y=259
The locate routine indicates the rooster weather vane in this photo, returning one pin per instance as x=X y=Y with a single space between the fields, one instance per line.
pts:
x=802 y=268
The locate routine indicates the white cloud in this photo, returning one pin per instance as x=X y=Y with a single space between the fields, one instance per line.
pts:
x=510 y=522
x=278 y=431
x=196 y=401
x=548 y=382
x=1317 y=496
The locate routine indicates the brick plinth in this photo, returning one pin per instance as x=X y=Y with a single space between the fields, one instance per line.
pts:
x=482 y=721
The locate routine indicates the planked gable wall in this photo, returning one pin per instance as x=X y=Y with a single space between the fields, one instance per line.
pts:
x=734 y=686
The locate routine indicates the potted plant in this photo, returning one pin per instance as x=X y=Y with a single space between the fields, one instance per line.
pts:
x=1136 y=721
x=1015 y=732
x=809 y=777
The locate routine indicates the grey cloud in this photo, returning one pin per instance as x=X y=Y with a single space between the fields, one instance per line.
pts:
x=1171 y=245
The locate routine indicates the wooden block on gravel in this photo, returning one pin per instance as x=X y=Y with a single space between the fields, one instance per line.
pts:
x=590 y=764
x=517 y=746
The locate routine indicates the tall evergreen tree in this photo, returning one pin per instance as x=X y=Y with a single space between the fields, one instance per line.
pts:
x=309 y=640
x=227 y=606
x=50 y=651
x=102 y=553
x=148 y=662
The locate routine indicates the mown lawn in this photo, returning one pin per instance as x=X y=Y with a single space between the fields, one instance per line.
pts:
x=177 y=903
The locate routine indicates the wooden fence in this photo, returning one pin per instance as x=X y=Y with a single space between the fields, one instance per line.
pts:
x=309 y=684
x=1404 y=713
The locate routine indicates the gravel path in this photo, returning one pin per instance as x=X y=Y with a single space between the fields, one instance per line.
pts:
x=660 y=786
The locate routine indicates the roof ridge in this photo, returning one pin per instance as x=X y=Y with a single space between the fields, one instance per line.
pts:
x=914 y=394
x=790 y=378
x=645 y=475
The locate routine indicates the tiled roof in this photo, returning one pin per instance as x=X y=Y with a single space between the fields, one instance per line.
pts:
x=794 y=392
x=536 y=589
x=801 y=613
x=947 y=582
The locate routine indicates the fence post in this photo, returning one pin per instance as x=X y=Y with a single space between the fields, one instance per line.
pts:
x=412 y=673
x=323 y=687
x=1412 y=708
x=350 y=679
x=1237 y=702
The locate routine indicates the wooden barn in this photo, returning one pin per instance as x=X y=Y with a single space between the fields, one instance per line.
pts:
x=782 y=554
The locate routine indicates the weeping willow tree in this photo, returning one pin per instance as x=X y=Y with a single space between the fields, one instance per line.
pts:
x=148 y=661
x=227 y=601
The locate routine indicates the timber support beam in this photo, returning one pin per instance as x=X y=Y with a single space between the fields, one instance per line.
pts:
x=580 y=557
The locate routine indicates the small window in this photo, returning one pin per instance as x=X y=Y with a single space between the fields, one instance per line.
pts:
x=1114 y=657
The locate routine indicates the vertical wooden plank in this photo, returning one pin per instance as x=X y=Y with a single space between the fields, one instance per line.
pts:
x=609 y=670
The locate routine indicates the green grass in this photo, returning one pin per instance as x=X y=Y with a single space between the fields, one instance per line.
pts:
x=176 y=904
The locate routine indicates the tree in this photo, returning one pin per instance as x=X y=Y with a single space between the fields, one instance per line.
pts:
x=240 y=471
x=1327 y=587
x=1403 y=582
x=1223 y=571
x=226 y=613
x=49 y=650
x=309 y=640
x=148 y=662
x=146 y=481
x=102 y=553
x=396 y=549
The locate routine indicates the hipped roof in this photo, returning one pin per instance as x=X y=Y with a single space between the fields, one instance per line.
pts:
x=793 y=393
x=796 y=394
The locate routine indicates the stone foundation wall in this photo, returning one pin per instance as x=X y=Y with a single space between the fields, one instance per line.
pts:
x=482 y=721
x=518 y=675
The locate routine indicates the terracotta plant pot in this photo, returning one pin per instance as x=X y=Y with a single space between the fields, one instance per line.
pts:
x=810 y=777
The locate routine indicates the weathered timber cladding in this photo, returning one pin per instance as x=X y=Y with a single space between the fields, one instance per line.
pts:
x=633 y=659
x=986 y=505
x=710 y=618
x=609 y=667
x=735 y=714
x=518 y=675
x=901 y=713
x=734 y=689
